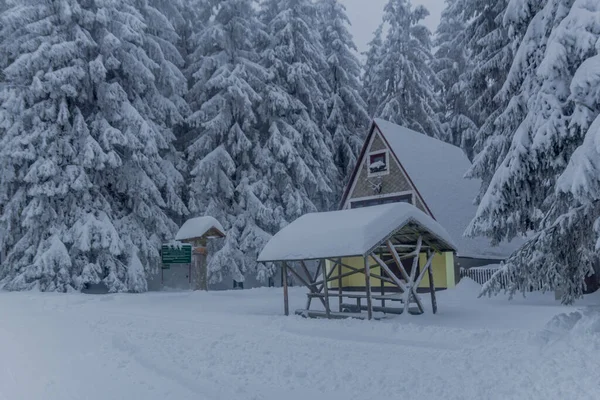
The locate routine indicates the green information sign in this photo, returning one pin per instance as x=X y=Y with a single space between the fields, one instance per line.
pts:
x=176 y=254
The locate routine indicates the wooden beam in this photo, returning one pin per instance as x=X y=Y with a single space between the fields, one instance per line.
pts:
x=387 y=269
x=362 y=271
x=408 y=289
x=326 y=291
x=415 y=265
x=432 y=287
x=368 y=287
x=317 y=272
x=306 y=271
x=410 y=284
x=410 y=280
x=310 y=286
x=340 y=284
x=300 y=278
x=310 y=278
x=425 y=268
x=405 y=246
x=345 y=274
x=382 y=286
x=398 y=261
x=286 y=304
x=326 y=275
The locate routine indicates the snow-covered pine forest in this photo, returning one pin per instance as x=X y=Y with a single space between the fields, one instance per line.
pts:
x=120 y=119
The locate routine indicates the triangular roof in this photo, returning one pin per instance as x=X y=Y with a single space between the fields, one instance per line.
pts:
x=354 y=232
x=436 y=171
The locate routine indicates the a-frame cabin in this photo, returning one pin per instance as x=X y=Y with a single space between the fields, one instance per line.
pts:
x=397 y=164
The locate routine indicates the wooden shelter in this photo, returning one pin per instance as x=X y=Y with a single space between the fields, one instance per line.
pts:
x=197 y=232
x=381 y=236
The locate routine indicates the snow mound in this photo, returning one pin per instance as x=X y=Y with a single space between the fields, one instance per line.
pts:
x=468 y=285
x=582 y=322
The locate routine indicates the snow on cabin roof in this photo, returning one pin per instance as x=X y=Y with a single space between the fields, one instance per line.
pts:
x=437 y=170
x=347 y=232
x=197 y=227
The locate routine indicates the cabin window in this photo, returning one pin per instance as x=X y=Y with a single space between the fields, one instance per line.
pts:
x=378 y=163
x=405 y=198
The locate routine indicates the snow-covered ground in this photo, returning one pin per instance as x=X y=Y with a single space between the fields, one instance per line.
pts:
x=237 y=345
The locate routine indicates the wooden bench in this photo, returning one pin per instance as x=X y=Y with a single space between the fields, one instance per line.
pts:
x=391 y=297
x=348 y=308
x=353 y=308
x=333 y=315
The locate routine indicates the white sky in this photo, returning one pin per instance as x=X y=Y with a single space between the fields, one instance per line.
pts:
x=366 y=15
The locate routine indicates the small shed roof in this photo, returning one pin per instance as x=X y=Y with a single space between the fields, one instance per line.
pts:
x=198 y=227
x=437 y=170
x=351 y=232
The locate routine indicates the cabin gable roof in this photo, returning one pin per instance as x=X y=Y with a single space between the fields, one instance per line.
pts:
x=435 y=172
x=396 y=182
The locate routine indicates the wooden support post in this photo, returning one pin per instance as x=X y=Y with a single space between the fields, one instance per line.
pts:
x=326 y=292
x=326 y=277
x=340 y=285
x=398 y=260
x=411 y=292
x=310 y=279
x=306 y=271
x=425 y=269
x=310 y=286
x=431 y=284
x=286 y=304
x=318 y=271
x=368 y=287
x=300 y=278
x=382 y=291
x=308 y=302
x=386 y=268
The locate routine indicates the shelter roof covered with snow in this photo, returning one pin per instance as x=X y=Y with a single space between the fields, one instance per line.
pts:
x=436 y=169
x=198 y=227
x=352 y=233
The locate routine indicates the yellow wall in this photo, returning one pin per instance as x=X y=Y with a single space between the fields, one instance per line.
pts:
x=443 y=272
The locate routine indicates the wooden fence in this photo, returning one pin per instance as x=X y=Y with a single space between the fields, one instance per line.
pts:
x=483 y=274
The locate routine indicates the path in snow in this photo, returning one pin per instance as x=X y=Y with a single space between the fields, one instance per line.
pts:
x=236 y=345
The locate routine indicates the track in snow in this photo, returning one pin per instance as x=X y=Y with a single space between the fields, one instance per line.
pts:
x=236 y=345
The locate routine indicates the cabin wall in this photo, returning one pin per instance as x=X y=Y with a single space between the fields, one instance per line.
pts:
x=443 y=273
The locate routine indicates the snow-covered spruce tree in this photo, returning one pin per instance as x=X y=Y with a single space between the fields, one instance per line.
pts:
x=487 y=40
x=227 y=80
x=548 y=181
x=405 y=78
x=498 y=106
x=451 y=64
x=89 y=187
x=189 y=18
x=347 y=118
x=3 y=196
x=163 y=20
x=370 y=90
x=299 y=172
